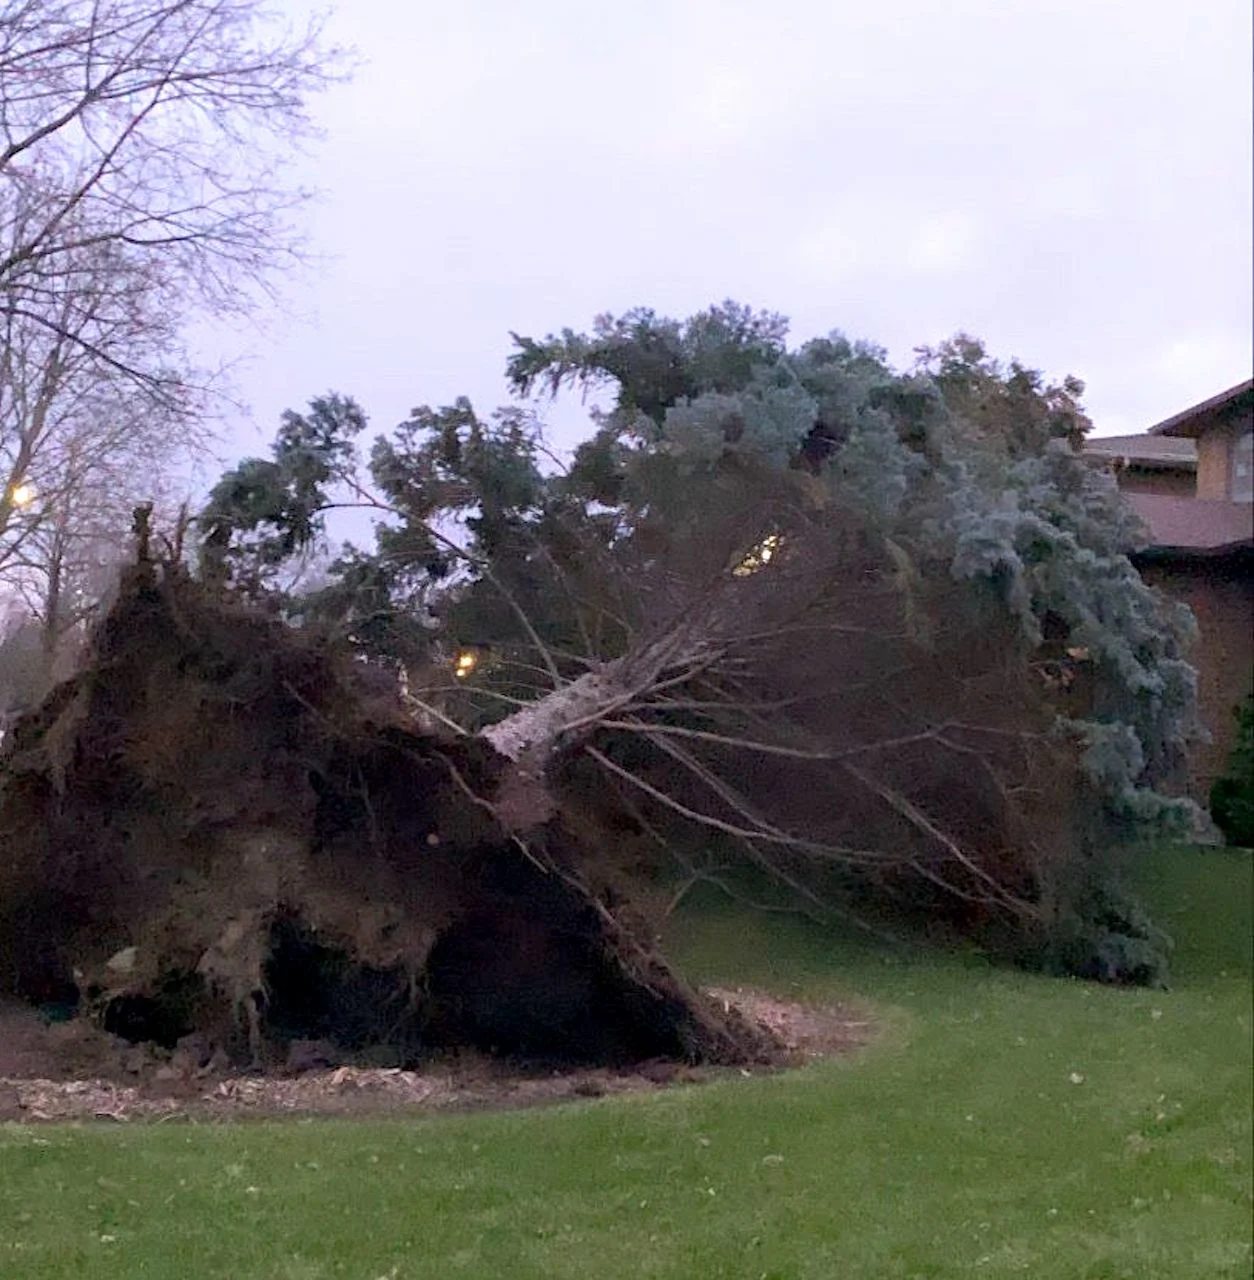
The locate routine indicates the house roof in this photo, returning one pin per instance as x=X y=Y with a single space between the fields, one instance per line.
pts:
x=1192 y=422
x=1195 y=525
x=1157 y=452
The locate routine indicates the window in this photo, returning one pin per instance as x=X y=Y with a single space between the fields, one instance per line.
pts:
x=1242 y=484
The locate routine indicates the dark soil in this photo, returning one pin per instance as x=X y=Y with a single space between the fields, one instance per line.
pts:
x=73 y=1071
x=219 y=841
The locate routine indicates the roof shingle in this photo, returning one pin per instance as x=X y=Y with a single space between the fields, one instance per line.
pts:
x=1194 y=524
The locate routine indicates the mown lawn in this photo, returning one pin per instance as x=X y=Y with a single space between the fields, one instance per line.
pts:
x=1001 y=1125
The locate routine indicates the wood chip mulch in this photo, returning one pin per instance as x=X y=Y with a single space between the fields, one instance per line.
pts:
x=37 y=1075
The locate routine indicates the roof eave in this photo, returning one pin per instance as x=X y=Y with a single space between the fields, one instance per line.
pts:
x=1168 y=551
x=1191 y=422
x=1129 y=461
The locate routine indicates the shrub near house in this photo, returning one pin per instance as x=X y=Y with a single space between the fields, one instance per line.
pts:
x=1232 y=796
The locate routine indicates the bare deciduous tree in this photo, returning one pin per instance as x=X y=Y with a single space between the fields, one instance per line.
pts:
x=144 y=179
x=158 y=128
x=80 y=445
x=82 y=440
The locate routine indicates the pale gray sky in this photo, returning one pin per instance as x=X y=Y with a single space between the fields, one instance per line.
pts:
x=1069 y=179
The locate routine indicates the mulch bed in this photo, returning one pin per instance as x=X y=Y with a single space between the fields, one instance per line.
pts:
x=72 y=1072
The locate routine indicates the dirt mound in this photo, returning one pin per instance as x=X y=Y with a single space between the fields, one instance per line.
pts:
x=221 y=828
x=42 y=1075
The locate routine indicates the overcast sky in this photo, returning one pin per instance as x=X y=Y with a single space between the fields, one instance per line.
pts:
x=1070 y=180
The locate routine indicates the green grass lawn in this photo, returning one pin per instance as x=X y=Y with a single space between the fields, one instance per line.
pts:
x=1002 y=1124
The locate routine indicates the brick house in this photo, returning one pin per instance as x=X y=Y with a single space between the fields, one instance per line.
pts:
x=1191 y=480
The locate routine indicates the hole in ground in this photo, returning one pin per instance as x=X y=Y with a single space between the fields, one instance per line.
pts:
x=163 y=1018
x=523 y=976
x=509 y=982
x=504 y=980
x=318 y=992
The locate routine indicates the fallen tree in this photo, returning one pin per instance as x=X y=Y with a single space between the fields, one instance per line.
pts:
x=221 y=827
x=871 y=635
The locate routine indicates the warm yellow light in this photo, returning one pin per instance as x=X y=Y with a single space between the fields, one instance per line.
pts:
x=759 y=557
x=23 y=495
x=465 y=664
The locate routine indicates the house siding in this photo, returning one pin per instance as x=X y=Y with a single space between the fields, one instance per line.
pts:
x=1220 y=592
x=1213 y=453
x=1216 y=463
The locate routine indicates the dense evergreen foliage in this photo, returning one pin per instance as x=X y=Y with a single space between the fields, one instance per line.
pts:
x=744 y=489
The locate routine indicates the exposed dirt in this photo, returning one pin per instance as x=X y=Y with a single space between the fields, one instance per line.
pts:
x=70 y=1071
x=217 y=832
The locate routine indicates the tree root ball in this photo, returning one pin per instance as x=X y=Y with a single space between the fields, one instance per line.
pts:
x=218 y=829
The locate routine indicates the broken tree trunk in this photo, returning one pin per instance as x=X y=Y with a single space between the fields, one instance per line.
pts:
x=571 y=715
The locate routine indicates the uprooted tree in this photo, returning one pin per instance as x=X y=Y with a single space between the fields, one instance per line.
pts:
x=872 y=637
x=221 y=828
x=872 y=633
